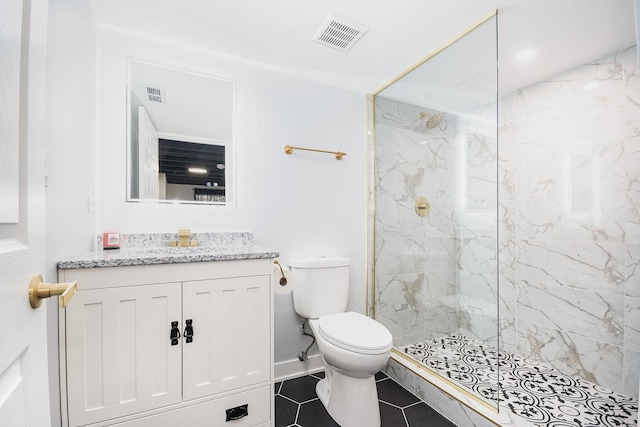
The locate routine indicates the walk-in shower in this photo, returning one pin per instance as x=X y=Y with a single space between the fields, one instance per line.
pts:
x=505 y=220
x=435 y=139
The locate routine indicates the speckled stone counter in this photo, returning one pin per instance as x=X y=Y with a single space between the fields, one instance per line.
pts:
x=149 y=249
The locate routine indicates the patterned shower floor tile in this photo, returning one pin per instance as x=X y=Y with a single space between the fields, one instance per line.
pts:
x=538 y=393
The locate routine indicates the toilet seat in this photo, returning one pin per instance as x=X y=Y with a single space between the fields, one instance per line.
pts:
x=355 y=332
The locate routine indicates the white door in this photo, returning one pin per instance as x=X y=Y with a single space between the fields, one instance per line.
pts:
x=148 y=157
x=24 y=392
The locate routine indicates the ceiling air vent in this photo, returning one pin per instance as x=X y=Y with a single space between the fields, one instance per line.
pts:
x=154 y=93
x=339 y=33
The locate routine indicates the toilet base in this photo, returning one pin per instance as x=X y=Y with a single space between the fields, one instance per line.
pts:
x=351 y=402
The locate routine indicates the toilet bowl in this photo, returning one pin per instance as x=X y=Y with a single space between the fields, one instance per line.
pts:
x=353 y=348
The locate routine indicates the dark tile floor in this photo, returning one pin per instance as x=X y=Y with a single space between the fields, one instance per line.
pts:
x=297 y=405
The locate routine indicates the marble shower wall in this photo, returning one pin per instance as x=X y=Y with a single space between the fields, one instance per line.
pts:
x=434 y=275
x=569 y=224
x=415 y=257
x=476 y=224
x=568 y=221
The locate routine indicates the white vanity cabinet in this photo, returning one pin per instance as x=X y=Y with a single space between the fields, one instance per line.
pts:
x=186 y=344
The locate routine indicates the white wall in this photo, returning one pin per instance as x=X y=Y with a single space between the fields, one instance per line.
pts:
x=70 y=227
x=301 y=204
x=71 y=130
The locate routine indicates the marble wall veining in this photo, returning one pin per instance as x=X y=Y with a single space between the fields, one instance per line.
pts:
x=415 y=257
x=567 y=217
x=435 y=274
x=569 y=228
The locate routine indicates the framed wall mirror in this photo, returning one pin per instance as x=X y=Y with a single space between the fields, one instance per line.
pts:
x=181 y=136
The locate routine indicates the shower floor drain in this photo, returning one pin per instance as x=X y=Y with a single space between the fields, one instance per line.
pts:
x=531 y=390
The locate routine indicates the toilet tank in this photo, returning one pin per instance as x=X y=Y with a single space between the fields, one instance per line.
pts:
x=321 y=285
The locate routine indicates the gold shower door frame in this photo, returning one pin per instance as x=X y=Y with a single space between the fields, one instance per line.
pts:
x=403 y=359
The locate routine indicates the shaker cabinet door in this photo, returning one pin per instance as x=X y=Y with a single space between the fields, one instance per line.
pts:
x=231 y=324
x=120 y=357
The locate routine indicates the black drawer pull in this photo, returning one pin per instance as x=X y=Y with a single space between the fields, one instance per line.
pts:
x=237 y=412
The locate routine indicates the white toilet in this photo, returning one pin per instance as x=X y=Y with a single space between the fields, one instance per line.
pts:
x=353 y=347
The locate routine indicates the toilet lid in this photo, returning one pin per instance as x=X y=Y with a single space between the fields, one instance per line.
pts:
x=355 y=332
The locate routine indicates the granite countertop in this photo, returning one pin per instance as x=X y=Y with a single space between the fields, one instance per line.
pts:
x=150 y=249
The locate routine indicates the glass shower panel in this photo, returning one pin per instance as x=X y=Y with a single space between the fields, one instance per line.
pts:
x=435 y=177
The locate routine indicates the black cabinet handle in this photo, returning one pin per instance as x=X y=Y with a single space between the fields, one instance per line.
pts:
x=237 y=412
x=174 y=334
x=188 y=330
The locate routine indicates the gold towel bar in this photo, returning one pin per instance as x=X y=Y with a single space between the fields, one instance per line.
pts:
x=289 y=149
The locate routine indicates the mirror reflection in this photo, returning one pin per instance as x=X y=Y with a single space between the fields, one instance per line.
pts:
x=180 y=146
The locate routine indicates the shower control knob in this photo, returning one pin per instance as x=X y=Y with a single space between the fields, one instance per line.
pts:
x=422 y=206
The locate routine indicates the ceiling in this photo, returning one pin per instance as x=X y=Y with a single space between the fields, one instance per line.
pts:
x=192 y=104
x=277 y=34
x=176 y=157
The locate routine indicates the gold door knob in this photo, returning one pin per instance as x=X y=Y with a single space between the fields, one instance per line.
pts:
x=39 y=290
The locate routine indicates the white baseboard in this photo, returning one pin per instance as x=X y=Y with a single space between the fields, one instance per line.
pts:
x=295 y=368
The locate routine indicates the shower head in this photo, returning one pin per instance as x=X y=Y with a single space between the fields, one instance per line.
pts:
x=431 y=120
